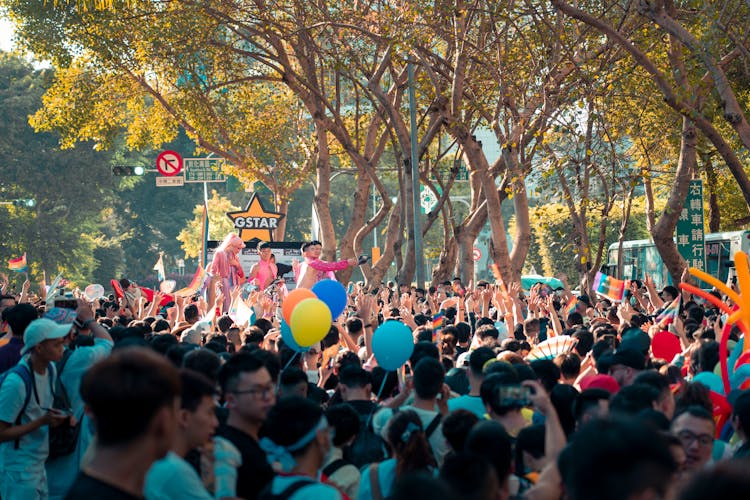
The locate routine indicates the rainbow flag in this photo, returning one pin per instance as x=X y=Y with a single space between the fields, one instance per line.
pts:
x=572 y=305
x=437 y=323
x=195 y=285
x=19 y=265
x=609 y=287
x=668 y=315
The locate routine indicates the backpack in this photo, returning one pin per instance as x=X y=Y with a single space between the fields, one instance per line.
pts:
x=331 y=468
x=286 y=493
x=63 y=439
x=24 y=372
x=367 y=447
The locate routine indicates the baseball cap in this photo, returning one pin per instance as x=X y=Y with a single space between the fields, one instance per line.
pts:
x=635 y=339
x=629 y=357
x=601 y=381
x=40 y=330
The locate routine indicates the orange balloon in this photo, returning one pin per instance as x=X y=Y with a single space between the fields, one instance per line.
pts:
x=295 y=297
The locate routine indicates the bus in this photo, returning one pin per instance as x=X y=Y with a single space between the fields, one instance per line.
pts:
x=640 y=257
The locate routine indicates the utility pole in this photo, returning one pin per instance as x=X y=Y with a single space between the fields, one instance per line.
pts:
x=414 y=166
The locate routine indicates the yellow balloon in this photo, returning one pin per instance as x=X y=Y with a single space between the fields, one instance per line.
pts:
x=310 y=322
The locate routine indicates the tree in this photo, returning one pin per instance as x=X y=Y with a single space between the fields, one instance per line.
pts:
x=219 y=225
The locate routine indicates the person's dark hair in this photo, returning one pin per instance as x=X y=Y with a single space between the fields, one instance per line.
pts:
x=331 y=339
x=531 y=440
x=705 y=358
x=487 y=331
x=253 y=335
x=422 y=350
x=261 y=245
x=288 y=357
x=693 y=394
x=271 y=362
x=483 y=321
x=588 y=399
x=428 y=378
x=575 y=318
x=177 y=352
x=203 y=361
x=126 y=390
x=238 y=364
x=489 y=391
x=160 y=325
x=264 y=324
x=489 y=440
x=726 y=479
x=570 y=364
x=191 y=313
x=741 y=410
x=383 y=390
x=406 y=437
x=354 y=325
x=478 y=358
x=345 y=420
x=354 y=377
x=633 y=399
x=289 y=420
x=563 y=397
x=224 y=323
x=463 y=331
x=469 y=476
x=421 y=319
x=19 y=317
x=291 y=377
x=654 y=379
x=695 y=411
x=643 y=460
x=195 y=386
x=420 y=485
x=346 y=358
x=585 y=341
x=547 y=372
x=456 y=427
x=500 y=367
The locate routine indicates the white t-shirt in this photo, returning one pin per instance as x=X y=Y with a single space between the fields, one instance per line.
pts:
x=33 y=447
x=172 y=478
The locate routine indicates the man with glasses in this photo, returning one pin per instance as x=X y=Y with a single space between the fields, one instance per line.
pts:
x=249 y=394
x=695 y=427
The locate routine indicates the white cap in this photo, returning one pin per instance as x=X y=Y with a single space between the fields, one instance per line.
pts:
x=40 y=330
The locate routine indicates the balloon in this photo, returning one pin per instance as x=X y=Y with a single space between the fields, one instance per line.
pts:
x=392 y=344
x=333 y=294
x=741 y=375
x=664 y=345
x=288 y=338
x=290 y=302
x=94 y=291
x=311 y=320
x=710 y=380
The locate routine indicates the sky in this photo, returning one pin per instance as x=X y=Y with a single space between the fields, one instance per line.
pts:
x=6 y=34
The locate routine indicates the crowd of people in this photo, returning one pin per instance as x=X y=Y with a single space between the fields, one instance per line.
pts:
x=508 y=393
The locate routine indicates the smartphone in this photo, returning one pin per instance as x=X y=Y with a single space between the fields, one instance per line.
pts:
x=513 y=395
x=66 y=303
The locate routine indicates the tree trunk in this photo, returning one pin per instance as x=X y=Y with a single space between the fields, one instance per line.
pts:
x=665 y=227
x=323 y=194
x=714 y=214
x=356 y=222
x=392 y=236
x=282 y=207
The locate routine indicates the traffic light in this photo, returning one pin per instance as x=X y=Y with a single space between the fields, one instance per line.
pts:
x=126 y=170
x=28 y=203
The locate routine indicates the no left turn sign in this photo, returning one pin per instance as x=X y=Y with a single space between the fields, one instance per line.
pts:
x=169 y=163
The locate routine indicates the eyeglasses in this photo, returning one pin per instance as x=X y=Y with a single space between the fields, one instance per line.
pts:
x=263 y=392
x=688 y=438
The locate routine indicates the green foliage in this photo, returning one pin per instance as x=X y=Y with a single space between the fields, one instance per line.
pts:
x=218 y=224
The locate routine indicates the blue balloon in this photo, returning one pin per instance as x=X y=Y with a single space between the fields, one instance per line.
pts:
x=392 y=345
x=740 y=376
x=710 y=380
x=288 y=338
x=333 y=294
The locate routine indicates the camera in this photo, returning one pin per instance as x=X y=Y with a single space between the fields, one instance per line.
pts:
x=66 y=303
x=511 y=396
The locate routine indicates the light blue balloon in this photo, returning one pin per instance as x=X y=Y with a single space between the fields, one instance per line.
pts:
x=710 y=380
x=740 y=376
x=288 y=338
x=735 y=355
x=333 y=294
x=392 y=344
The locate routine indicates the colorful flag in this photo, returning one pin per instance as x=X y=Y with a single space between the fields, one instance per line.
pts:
x=195 y=285
x=437 y=324
x=19 y=265
x=159 y=268
x=240 y=312
x=669 y=313
x=572 y=305
x=204 y=233
x=609 y=287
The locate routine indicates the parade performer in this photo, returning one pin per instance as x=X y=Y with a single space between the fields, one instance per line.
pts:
x=265 y=271
x=313 y=269
x=226 y=266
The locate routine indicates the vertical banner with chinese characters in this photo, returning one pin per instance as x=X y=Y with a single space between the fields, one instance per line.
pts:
x=690 y=242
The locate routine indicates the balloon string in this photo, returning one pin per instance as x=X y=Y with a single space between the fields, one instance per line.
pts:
x=291 y=360
x=377 y=398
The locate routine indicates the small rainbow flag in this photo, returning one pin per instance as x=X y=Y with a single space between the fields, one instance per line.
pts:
x=572 y=305
x=437 y=323
x=19 y=265
x=195 y=285
x=609 y=287
x=668 y=315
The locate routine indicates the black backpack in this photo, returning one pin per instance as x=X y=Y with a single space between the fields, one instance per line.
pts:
x=367 y=447
x=63 y=439
x=286 y=493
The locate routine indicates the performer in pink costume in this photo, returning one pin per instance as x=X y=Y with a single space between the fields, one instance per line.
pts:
x=226 y=265
x=264 y=272
x=313 y=269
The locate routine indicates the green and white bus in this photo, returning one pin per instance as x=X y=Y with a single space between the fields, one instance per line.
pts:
x=640 y=257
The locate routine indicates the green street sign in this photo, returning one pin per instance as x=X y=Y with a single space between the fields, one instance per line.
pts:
x=690 y=237
x=204 y=169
